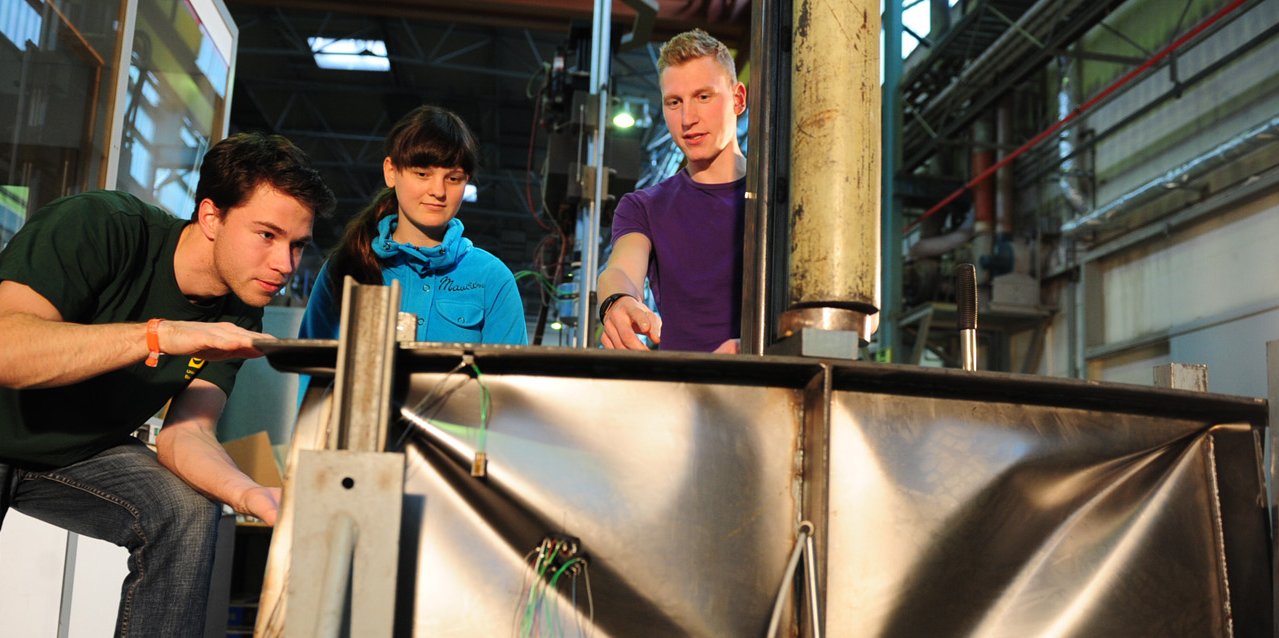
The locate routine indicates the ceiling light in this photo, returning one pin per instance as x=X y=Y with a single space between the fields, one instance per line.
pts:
x=349 y=54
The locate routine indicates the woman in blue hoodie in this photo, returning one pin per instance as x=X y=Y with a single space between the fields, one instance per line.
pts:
x=410 y=233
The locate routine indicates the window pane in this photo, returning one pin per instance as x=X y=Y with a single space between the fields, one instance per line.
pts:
x=174 y=105
x=57 y=62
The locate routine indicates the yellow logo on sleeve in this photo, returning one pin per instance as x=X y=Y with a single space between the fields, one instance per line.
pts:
x=193 y=368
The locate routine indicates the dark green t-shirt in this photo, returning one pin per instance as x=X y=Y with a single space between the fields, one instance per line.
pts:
x=104 y=257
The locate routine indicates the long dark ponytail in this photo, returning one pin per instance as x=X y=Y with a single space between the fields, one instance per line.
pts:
x=427 y=136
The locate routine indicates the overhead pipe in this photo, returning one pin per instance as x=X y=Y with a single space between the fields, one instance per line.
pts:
x=1233 y=149
x=1208 y=71
x=1081 y=109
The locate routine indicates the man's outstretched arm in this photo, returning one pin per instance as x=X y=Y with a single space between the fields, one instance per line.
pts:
x=188 y=446
x=628 y=316
x=39 y=349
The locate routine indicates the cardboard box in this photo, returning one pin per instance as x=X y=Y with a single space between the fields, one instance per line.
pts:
x=255 y=457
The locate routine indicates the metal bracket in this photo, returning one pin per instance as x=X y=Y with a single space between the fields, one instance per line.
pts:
x=335 y=550
x=1182 y=376
x=816 y=342
x=346 y=533
x=366 y=351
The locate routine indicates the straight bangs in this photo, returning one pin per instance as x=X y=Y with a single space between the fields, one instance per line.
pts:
x=437 y=152
x=434 y=138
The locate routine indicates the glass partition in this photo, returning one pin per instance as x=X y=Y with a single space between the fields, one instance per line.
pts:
x=74 y=116
x=58 y=59
x=176 y=102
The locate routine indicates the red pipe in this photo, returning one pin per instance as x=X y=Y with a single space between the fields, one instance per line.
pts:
x=983 y=193
x=1128 y=77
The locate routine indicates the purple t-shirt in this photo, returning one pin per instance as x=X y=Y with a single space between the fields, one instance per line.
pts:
x=695 y=268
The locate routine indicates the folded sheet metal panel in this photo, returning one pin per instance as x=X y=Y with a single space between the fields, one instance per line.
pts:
x=944 y=502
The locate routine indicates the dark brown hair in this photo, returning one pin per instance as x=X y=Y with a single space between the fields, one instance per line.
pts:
x=234 y=167
x=428 y=136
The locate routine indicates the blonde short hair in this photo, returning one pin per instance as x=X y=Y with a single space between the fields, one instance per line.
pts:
x=691 y=45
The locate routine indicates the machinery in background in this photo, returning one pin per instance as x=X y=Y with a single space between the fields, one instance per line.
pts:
x=1076 y=166
x=569 y=115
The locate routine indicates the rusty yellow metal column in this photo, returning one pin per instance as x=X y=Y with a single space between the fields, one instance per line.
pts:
x=835 y=169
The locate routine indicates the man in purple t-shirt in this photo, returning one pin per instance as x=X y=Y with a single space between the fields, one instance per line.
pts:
x=685 y=233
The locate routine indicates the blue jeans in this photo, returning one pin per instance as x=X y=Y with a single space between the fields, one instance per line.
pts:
x=124 y=496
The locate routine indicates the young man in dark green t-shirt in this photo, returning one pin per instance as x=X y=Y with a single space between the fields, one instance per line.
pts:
x=109 y=308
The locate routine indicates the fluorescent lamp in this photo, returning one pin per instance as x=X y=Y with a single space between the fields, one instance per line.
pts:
x=349 y=54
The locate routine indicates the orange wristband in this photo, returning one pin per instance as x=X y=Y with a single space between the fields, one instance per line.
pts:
x=153 y=342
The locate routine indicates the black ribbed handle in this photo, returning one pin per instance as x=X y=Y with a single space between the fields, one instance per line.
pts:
x=966 y=296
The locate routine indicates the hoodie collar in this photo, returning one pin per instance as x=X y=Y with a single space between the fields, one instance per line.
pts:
x=421 y=259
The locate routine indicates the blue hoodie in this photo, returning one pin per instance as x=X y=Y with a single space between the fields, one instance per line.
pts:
x=460 y=293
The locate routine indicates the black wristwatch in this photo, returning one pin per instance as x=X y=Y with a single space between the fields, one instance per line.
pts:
x=609 y=301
